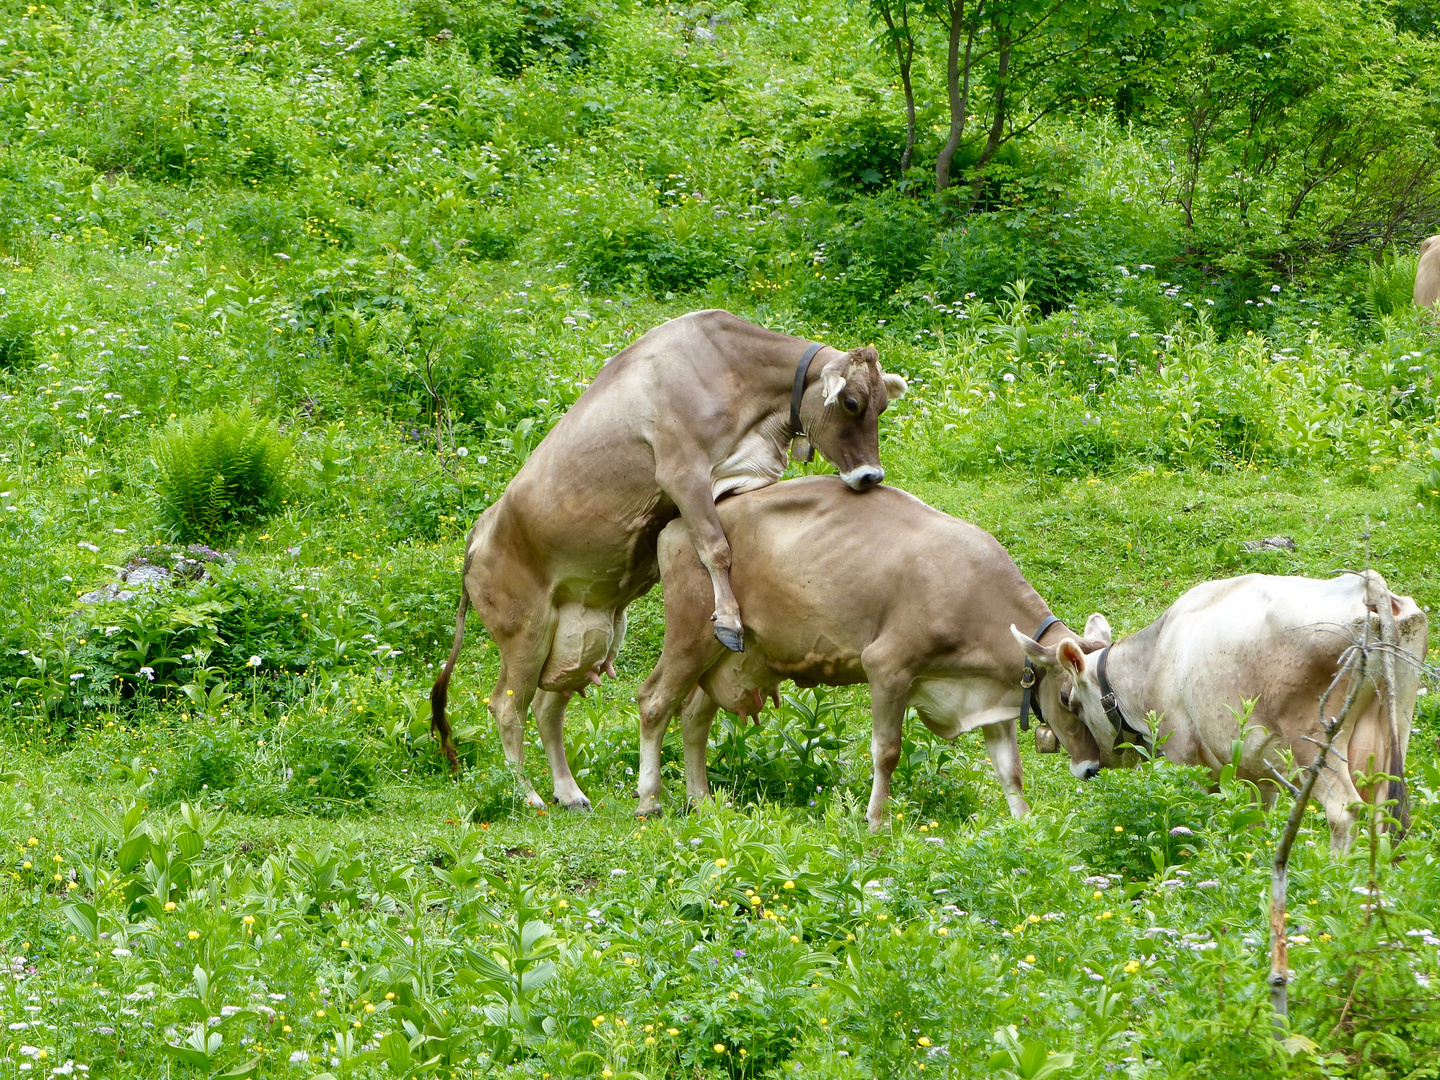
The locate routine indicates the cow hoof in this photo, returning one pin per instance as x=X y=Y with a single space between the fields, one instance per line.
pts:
x=580 y=806
x=534 y=801
x=652 y=812
x=733 y=640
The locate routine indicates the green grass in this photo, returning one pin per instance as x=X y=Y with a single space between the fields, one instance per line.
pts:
x=409 y=237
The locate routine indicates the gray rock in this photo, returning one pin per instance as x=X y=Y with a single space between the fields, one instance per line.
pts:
x=1270 y=543
x=107 y=594
x=146 y=576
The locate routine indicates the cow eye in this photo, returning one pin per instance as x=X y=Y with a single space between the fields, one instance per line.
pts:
x=852 y=406
x=1065 y=698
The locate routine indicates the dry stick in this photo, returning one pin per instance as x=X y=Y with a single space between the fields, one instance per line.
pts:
x=1279 y=959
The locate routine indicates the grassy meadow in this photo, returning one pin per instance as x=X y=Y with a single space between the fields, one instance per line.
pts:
x=289 y=290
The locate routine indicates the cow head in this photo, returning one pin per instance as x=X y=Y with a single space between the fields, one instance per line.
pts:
x=1069 y=694
x=841 y=414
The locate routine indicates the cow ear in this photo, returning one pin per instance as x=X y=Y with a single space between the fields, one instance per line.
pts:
x=1098 y=628
x=1071 y=658
x=895 y=385
x=1033 y=649
x=832 y=381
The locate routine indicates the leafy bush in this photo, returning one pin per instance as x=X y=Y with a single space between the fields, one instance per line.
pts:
x=1390 y=284
x=649 y=252
x=1141 y=820
x=935 y=779
x=792 y=756
x=328 y=774
x=1059 y=252
x=219 y=470
x=263 y=225
x=491 y=792
x=863 y=252
x=857 y=153
x=17 y=341
x=512 y=36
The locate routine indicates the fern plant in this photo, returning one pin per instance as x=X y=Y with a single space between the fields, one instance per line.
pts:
x=1390 y=285
x=219 y=469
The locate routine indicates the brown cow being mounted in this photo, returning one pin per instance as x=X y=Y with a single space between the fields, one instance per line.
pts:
x=838 y=589
x=697 y=409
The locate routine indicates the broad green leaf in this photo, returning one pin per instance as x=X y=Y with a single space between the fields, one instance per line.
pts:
x=190 y=1056
x=396 y=1050
x=240 y=1073
x=132 y=852
x=190 y=843
x=85 y=919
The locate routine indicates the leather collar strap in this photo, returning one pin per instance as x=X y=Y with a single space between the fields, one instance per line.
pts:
x=1028 y=700
x=798 y=391
x=1111 y=704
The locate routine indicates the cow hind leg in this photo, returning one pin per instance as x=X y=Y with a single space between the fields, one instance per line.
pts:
x=659 y=699
x=549 y=709
x=696 y=720
x=1004 y=751
x=521 y=659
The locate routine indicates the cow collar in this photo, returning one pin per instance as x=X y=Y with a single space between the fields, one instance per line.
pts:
x=802 y=369
x=1111 y=703
x=1028 y=700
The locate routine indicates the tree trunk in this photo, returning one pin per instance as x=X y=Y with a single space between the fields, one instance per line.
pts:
x=909 y=103
x=904 y=57
x=1002 y=79
x=959 y=96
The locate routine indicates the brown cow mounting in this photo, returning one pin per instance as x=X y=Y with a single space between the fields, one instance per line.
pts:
x=697 y=409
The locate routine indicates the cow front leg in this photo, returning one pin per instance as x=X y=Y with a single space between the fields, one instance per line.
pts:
x=550 y=719
x=693 y=498
x=696 y=720
x=887 y=720
x=1338 y=795
x=1004 y=751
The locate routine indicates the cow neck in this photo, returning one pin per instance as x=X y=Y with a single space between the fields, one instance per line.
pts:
x=797 y=388
x=1048 y=625
x=1120 y=670
x=1030 y=676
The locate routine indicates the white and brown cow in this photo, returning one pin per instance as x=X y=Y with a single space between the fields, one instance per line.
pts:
x=839 y=588
x=1277 y=641
x=701 y=407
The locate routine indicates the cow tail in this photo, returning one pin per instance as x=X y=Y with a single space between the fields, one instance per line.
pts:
x=440 y=692
x=1390 y=701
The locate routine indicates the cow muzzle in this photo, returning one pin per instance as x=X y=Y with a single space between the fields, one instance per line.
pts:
x=1085 y=770
x=864 y=478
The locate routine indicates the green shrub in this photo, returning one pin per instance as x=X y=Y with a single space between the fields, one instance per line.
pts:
x=934 y=778
x=329 y=774
x=1141 y=820
x=864 y=251
x=859 y=152
x=512 y=36
x=1390 y=285
x=794 y=755
x=213 y=761
x=620 y=247
x=17 y=342
x=491 y=791
x=263 y=225
x=218 y=470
